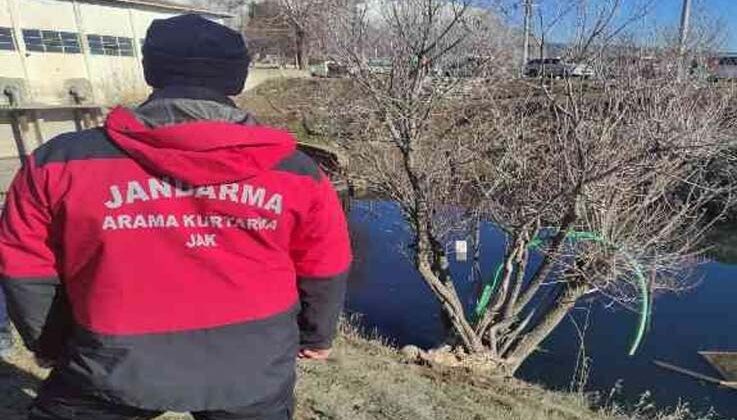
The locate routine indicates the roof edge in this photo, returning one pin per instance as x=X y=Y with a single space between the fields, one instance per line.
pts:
x=171 y=6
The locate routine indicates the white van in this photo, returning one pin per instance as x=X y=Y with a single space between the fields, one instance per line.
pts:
x=557 y=67
x=724 y=67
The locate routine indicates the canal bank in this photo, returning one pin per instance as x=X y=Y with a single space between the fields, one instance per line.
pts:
x=368 y=380
x=394 y=301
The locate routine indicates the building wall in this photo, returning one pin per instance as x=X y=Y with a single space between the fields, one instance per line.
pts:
x=10 y=61
x=10 y=66
x=47 y=71
x=58 y=41
x=142 y=19
x=5 y=14
x=8 y=148
x=115 y=78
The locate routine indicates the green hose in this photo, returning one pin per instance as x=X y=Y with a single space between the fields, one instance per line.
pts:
x=645 y=309
x=485 y=297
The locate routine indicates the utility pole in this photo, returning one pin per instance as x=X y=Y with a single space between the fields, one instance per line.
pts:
x=683 y=39
x=685 y=26
x=527 y=5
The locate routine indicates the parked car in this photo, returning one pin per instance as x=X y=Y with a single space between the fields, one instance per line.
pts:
x=464 y=67
x=328 y=69
x=557 y=67
x=380 y=66
x=271 y=61
x=724 y=67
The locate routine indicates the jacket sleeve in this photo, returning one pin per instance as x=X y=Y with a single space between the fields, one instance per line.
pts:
x=321 y=254
x=35 y=299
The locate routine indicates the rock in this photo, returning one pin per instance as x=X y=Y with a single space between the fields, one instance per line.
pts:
x=460 y=352
x=442 y=357
x=445 y=348
x=411 y=352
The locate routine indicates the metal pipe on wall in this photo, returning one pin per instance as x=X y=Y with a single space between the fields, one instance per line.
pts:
x=84 y=44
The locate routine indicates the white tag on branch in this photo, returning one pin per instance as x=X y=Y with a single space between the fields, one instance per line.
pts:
x=461 y=251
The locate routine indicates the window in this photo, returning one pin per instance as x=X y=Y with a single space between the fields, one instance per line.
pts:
x=70 y=43
x=110 y=45
x=51 y=41
x=95 y=42
x=125 y=46
x=728 y=61
x=7 y=40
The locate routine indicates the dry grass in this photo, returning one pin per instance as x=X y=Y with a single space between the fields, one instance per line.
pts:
x=368 y=380
x=365 y=380
x=298 y=105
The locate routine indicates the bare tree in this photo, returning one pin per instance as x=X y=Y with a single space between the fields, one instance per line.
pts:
x=306 y=17
x=606 y=179
x=267 y=21
x=239 y=9
x=268 y=32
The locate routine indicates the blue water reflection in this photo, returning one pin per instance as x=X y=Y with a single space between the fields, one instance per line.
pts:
x=393 y=300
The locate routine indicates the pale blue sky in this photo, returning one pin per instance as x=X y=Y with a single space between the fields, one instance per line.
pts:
x=664 y=13
x=669 y=11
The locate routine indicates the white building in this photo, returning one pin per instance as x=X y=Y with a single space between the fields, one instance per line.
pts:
x=52 y=43
x=59 y=56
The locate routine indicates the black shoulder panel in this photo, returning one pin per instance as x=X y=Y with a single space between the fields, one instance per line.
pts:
x=300 y=164
x=82 y=145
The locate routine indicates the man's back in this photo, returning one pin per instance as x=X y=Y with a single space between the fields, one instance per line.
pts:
x=160 y=262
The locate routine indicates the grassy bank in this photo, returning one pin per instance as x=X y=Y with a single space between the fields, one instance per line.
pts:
x=298 y=105
x=365 y=380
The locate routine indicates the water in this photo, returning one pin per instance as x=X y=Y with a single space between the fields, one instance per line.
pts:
x=393 y=300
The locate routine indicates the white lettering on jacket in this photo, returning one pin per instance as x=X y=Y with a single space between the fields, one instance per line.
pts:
x=158 y=189
x=190 y=221
x=197 y=240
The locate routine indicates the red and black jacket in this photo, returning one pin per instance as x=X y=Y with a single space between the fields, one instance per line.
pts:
x=176 y=259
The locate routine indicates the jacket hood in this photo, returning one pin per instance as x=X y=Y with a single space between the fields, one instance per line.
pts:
x=199 y=152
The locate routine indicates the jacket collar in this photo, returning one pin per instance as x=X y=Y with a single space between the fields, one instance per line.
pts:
x=190 y=92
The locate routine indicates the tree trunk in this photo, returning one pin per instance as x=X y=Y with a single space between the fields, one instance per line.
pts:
x=302 y=49
x=453 y=309
x=548 y=262
x=499 y=294
x=530 y=342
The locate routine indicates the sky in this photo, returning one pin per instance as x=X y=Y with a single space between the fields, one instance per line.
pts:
x=669 y=12
x=664 y=13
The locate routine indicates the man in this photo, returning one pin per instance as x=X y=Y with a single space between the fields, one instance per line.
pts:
x=159 y=264
x=6 y=338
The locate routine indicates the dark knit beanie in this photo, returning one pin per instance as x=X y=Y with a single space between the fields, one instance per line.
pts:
x=190 y=50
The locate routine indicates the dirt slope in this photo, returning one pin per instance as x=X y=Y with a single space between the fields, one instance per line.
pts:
x=365 y=381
